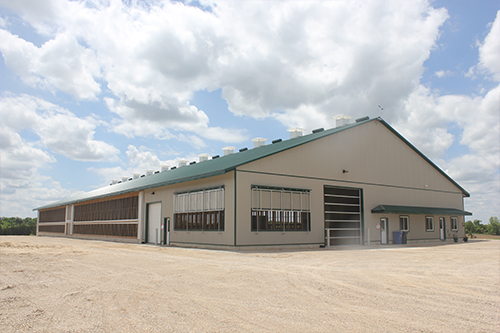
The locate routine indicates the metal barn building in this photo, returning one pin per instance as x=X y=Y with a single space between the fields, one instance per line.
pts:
x=354 y=184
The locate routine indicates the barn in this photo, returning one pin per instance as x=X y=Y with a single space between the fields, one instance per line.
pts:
x=359 y=183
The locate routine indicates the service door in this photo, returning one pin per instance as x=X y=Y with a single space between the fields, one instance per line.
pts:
x=154 y=223
x=383 y=230
x=442 y=226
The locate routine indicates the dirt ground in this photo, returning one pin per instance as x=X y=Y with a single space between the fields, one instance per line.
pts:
x=65 y=285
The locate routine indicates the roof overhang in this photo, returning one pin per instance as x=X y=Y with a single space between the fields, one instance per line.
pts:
x=413 y=210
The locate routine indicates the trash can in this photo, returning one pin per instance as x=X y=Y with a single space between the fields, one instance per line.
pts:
x=404 y=237
x=398 y=237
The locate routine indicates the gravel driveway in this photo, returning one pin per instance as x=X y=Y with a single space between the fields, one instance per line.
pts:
x=50 y=284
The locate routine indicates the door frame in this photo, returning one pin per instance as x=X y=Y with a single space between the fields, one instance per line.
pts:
x=386 y=229
x=442 y=228
x=146 y=233
x=166 y=231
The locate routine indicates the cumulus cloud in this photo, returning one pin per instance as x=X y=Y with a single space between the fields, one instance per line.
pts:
x=59 y=64
x=333 y=57
x=58 y=129
x=489 y=51
x=139 y=161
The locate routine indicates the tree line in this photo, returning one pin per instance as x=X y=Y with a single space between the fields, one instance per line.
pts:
x=476 y=227
x=17 y=226
x=27 y=226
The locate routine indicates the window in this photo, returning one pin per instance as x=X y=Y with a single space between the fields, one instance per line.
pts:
x=201 y=210
x=454 y=223
x=404 y=223
x=280 y=209
x=429 y=223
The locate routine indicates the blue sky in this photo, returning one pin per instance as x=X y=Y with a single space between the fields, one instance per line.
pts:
x=98 y=90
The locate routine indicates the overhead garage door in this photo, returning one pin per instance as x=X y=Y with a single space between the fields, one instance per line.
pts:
x=342 y=216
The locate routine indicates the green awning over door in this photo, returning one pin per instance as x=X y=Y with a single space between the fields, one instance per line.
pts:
x=413 y=210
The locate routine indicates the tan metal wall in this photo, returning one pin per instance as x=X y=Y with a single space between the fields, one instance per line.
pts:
x=165 y=195
x=376 y=160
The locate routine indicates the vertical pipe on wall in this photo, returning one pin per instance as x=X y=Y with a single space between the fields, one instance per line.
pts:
x=140 y=216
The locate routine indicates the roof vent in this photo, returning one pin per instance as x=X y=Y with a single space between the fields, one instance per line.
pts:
x=143 y=176
x=173 y=168
x=295 y=132
x=149 y=172
x=317 y=130
x=243 y=149
x=182 y=163
x=203 y=157
x=276 y=141
x=164 y=168
x=191 y=163
x=362 y=119
x=215 y=156
x=259 y=142
x=342 y=120
x=157 y=172
x=130 y=179
x=228 y=150
x=136 y=175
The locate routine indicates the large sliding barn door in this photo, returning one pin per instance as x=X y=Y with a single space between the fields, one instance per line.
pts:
x=342 y=216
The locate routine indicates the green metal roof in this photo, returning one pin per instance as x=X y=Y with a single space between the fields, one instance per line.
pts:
x=412 y=210
x=220 y=166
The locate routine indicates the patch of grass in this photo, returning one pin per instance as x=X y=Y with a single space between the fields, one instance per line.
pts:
x=484 y=236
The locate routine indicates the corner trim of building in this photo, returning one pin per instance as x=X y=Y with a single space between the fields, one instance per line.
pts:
x=235 y=206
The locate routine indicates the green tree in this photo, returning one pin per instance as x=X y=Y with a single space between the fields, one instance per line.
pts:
x=17 y=226
x=469 y=228
x=494 y=227
x=478 y=227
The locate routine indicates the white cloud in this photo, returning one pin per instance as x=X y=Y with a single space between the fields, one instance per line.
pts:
x=442 y=74
x=334 y=57
x=20 y=159
x=59 y=64
x=59 y=130
x=139 y=161
x=20 y=196
x=22 y=185
x=489 y=51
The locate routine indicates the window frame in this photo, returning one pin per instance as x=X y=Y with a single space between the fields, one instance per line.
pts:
x=454 y=220
x=281 y=214
x=407 y=223
x=200 y=210
x=431 y=219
